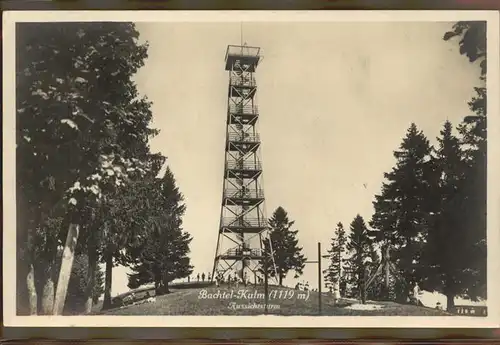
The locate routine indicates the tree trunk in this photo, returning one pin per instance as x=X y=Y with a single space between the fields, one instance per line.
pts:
x=158 y=283
x=387 y=280
x=92 y=265
x=48 y=293
x=32 y=296
x=363 y=293
x=66 y=267
x=107 y=282
x=362 y=284
x=450 y=302
x=22 y=307
x=165 y=283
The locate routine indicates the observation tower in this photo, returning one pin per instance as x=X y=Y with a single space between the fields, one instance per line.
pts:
x=242 y=242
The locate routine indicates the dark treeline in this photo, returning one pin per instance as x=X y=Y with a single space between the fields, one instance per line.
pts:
x=430 y=217
x=89 y=190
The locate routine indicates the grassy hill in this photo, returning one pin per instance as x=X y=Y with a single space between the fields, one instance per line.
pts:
x=187 y=300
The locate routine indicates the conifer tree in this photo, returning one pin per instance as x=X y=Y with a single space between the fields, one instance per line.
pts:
x=359 y=246
x=402 y=210
x=287 y=253
x=449 y=250
x=334 y=273
x=162 y=253
x=472 y=43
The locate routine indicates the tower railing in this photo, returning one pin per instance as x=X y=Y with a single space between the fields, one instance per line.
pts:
x=244 y=193
x=244 y=137
x=244 y=252
x=242 y=81
x=244 y=222
x=243 y=109
x=242 y=51
x=243 y=165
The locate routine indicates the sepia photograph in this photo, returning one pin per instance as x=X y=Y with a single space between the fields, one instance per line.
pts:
x=213 y=167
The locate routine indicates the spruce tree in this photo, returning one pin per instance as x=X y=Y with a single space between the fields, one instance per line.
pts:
x=402 y=210
x=472 y=43
x=162 y=253
x=474 y=144
x=287 y=254
x=359 y=247
x=334 y=273
x=449 y=250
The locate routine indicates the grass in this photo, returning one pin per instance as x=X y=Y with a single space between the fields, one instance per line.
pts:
x=186 y=301
x=145 y=292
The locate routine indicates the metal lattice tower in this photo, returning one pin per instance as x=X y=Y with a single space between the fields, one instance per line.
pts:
x=243 y=224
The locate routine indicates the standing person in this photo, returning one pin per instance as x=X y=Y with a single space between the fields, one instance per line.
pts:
x=209 y=276
x=416 y=294
x=198 y=276
x=189 y=279
x=203 y=276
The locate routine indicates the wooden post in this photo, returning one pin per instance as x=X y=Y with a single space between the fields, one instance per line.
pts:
x=66 y=267
x=319 y=278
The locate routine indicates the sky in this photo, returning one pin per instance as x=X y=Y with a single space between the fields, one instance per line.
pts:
x=335 y=101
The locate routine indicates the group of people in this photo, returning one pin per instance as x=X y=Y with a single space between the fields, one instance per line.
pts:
x=200 y=276
x=233 y=279
x=220 y=279
x=302 y=286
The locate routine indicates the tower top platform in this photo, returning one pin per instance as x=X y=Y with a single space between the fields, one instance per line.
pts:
x=245 y=55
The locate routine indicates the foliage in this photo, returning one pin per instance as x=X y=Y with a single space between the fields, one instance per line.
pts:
x=334 y=273
x=161 y=254
x=361 y=251
x=82 y=129
x=287 y=253
x=473 y=135
x=402 y=210
x=449 y=272
x=431 y=211
x=472 y=43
